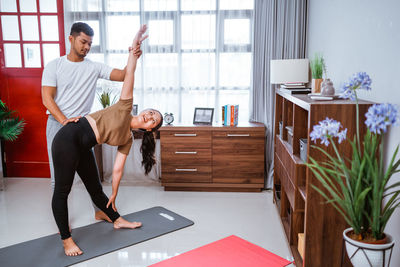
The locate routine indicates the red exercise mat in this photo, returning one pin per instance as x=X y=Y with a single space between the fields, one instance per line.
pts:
x=231 y=251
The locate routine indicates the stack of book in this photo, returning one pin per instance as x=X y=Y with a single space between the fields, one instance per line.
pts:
x=295 y=88
x=230 y=115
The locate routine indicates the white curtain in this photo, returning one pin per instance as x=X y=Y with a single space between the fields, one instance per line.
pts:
x=279 y=33
x=198 y=54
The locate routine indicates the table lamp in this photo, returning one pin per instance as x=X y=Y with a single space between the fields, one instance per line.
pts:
x=290 y=73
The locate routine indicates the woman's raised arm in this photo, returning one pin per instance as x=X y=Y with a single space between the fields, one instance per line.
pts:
x=134 y=54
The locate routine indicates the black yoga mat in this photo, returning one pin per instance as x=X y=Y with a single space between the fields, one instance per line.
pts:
x=94 y=240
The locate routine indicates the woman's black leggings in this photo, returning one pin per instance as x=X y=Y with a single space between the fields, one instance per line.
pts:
x=72 y=151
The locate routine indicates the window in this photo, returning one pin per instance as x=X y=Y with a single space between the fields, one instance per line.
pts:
x=198 y=54
x=29 y=27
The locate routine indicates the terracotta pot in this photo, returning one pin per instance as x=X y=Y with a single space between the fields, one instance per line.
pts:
x=366 y=254
x=316 y=86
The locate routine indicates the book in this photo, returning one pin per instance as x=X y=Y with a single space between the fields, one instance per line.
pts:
x=230 y=115
x=296 y=90
x=322 y=97
x=293 y=83
x=223 y=114
x=292 y=86
x=236 y=116
x=227 y=115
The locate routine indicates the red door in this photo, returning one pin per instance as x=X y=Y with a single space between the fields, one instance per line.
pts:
x=31 y=34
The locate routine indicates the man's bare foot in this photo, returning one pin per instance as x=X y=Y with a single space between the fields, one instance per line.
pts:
x=101 y=216
x=70 y=248
x=122 y=223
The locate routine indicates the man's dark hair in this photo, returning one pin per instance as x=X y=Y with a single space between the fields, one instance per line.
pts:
x=79 y=27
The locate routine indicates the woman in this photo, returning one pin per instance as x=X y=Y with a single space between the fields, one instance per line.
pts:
x=72 y=151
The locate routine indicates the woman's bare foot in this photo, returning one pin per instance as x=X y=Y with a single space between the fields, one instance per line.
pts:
x=101 y=216
x=122 y=223
x=70 y=248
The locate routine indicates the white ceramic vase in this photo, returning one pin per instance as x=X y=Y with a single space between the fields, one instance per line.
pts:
x=368 y=255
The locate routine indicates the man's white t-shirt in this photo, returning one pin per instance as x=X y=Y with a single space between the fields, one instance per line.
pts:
x=75 y=82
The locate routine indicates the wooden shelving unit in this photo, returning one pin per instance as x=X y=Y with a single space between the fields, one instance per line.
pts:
x=302 y=191
x=301 y=208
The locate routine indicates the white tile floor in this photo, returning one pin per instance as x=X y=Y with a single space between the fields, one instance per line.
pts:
x=25 y=213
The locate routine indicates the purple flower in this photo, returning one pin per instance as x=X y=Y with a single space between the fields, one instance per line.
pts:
x=360 y=80
x=342 y=135
x=327 y=129
x=380 y=117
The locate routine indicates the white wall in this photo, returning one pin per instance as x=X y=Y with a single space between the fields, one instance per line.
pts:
x=362 y=35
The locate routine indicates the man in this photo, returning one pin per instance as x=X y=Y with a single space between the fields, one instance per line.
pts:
x=69 y=87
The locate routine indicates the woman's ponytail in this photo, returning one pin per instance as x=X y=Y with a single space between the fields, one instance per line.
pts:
x=148 y=147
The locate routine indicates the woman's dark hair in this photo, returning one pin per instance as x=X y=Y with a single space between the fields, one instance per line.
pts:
x=79 y=27
x=149 y=146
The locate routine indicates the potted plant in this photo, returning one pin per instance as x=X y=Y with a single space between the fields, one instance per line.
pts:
x=317 y=65
x=10 y=127
x=105 y=100
x=358 y=188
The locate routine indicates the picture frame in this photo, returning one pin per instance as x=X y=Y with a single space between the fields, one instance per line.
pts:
x=134 y=109
x=203 y=116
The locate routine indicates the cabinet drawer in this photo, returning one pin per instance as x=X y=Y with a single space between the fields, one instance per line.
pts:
x=186 y=139
x=186 y=173
x=197 y=156
x=235 y=168
x=238 y=134
x=238 y=157
x=243 y=142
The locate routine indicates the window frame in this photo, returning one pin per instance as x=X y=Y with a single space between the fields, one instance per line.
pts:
x=175 y=16
x=176 y=47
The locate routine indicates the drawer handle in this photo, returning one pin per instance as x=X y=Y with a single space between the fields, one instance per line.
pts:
x=185 y=134
x=235 y=135
x=186 y=152
x=186 y=170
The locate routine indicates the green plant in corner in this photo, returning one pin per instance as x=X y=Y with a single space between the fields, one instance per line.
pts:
x=105 y=98
x=317 y=65
x=357 y=187
x=10 y=126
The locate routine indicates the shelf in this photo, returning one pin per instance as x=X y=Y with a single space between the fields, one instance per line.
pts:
x=302 y=191
x=296 y=255
x=297 y=160
x=304 y=101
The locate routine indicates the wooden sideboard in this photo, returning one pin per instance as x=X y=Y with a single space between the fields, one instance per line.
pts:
x=213 y=158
